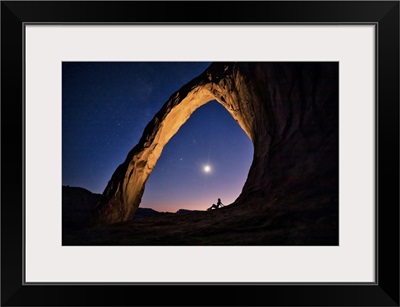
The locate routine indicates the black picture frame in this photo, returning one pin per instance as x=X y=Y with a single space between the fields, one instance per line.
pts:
x=383 y=14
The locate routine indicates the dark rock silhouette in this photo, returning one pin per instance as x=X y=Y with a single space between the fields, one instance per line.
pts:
x=77 y=207
x=186 y=211
x=288 y=110
x=147 y=212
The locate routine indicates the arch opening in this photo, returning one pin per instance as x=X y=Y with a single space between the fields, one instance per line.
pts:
x=208 y=158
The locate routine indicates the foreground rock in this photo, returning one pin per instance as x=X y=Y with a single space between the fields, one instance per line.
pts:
x=288 y=110
x=299 y=219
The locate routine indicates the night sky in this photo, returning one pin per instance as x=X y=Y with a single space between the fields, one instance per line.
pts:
x=105 y=108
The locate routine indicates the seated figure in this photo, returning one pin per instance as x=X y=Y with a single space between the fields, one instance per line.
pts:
x=216 y=206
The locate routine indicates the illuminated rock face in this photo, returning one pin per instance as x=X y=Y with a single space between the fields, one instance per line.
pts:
x=288 y=110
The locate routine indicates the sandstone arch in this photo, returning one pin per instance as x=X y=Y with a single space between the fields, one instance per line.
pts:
x=288 y=110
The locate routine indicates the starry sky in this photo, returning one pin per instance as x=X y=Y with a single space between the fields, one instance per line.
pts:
x=105 y=108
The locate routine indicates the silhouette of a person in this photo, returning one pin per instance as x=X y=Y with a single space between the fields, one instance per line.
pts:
x=216 y=206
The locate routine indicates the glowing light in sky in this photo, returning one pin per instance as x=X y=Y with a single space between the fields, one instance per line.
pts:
x=207 y=168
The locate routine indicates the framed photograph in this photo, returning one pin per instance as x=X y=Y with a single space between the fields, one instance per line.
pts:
x=225 y=153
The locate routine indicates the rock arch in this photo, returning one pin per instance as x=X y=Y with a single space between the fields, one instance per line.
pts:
x=288 y=110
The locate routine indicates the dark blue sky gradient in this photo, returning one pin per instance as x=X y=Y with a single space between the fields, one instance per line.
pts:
x=106 y=107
